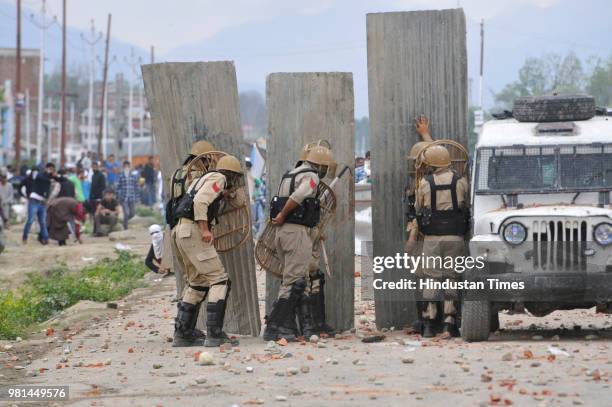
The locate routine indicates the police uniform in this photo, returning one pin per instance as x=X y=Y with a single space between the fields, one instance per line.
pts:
x=294 y=246
x=204 y=272
x=450 y=196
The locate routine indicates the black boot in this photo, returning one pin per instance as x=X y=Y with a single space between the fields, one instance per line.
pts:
x=215 y=315
x=451 y=329
x=428 y=331
x=305 y=318
x=281 y=321
x=318 y=309
x=183 y=332
x=198 y=332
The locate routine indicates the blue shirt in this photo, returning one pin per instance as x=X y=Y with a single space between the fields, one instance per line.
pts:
x=111 y=176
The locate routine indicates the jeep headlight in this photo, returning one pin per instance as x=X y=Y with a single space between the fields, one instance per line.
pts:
x=602 y=234
x=514 y=233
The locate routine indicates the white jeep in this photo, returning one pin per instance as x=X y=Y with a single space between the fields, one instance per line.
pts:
x=541 y=212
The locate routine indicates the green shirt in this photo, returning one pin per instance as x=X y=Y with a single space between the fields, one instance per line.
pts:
x=78 y=188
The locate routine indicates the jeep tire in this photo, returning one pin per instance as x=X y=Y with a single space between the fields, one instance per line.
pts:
x=553 y=108
x=475 y=320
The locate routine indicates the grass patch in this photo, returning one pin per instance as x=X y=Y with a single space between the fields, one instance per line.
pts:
x=44 y=295
x=146 y=212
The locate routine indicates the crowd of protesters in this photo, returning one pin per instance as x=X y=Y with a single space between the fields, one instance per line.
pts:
x=61 y=200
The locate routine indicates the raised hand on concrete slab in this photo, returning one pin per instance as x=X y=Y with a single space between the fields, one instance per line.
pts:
x=421 y=124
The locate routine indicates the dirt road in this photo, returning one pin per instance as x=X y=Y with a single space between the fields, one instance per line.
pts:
x=122 y=357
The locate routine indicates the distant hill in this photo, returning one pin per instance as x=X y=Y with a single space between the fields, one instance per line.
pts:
x=335 y=40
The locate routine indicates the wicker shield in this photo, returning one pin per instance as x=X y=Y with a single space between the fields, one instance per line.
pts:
x=458 y=154
x=233 y=226
x=265 y=249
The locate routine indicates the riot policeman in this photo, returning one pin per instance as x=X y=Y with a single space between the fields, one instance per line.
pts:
x=178 y=186
x=206 y=275
x=317 y=276
x=295 y=211
x=443 y=218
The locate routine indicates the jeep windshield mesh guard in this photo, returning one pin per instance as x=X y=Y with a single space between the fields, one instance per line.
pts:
x=534 y=169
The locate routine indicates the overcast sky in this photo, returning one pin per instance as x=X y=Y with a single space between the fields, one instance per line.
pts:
x=264 y=36
x=171 y=24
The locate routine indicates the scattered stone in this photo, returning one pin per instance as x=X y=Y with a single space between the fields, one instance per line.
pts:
x=200 y=380
x=250 y=369
x=292 y=371
x=321 y=345
x=280 y=398
x=18 y=339
x=485 y=378
x=591 y=337
x=555 y=338
x=304 y=369
x=19 y=367
x=407 y=360
x=157 y=366
x=535 y=364
x=507 y=357
x=111 y=305
x=206 y=359
x=537 y=337
x=107 y=362
x=374 y=338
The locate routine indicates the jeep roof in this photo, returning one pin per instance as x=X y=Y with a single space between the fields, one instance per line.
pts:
x=509 y=132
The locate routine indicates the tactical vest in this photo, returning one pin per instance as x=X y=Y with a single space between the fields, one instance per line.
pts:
x=177 y=190
x=437 y=222
x=308 y=213
x=184 y=209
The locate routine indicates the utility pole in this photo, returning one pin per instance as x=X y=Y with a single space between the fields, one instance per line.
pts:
x=18 y=90
x=43 y=26
x=92 y=41
x=104 y=89
x=27 y=124
x=49 y=128
x=152 y=54
x=132 y=64
x=104 y=115
x=481 y=90
x=72 y=121
x=63 y=131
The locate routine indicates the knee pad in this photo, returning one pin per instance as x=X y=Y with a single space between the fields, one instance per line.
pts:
x=219 y=291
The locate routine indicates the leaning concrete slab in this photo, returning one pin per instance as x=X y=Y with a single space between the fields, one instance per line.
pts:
x=195 y=101
x=305 y=107
x=417 y=63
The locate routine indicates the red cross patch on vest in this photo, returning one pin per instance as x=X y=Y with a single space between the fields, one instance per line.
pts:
x=216 y=187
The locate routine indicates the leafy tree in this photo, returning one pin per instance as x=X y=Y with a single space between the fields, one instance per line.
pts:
x=599 y=84
x=548 y=74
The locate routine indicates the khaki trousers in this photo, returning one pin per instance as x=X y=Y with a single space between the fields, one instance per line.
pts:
x=200 y=262
x=294 y=247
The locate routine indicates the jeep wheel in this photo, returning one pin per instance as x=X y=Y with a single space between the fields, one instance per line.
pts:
x=553 y=108
x=475 y=320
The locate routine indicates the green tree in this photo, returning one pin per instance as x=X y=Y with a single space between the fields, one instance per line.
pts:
x=599 y=84
x=548 y=74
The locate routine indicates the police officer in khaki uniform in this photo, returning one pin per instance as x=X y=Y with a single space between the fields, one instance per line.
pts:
x=317 y=276
x=178 y=186
x=295 y=211
x=204 y=271
x=442 y=212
